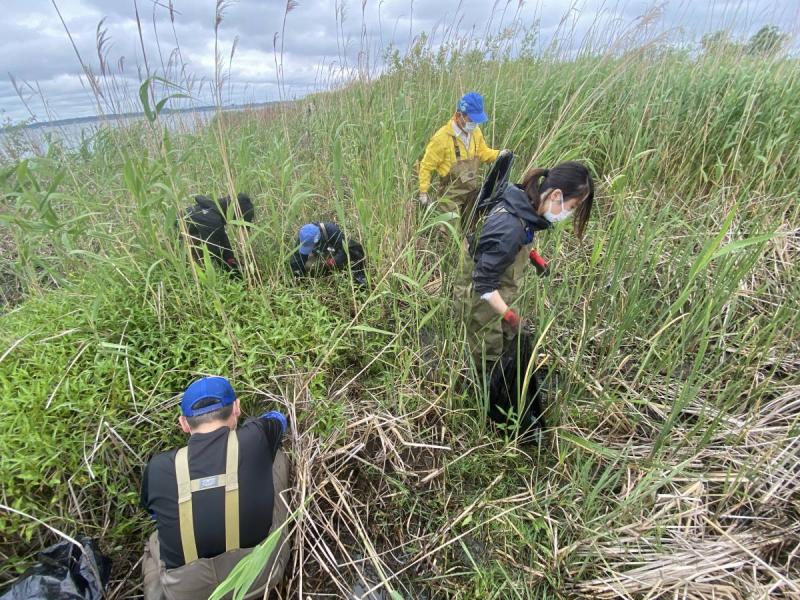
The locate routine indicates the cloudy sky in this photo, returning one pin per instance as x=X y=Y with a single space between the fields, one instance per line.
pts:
x=323 y=40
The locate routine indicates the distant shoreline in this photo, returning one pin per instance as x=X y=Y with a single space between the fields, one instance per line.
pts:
x=135 y=115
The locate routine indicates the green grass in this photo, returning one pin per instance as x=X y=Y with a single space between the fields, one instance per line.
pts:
x=673 y=329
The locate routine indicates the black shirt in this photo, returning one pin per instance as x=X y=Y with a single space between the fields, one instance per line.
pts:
x=259 y=441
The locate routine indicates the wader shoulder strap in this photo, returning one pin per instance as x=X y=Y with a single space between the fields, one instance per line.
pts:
x=232 y=493
x=456 y=148
x=186 y=487
x=324 y=231
x=185 y=517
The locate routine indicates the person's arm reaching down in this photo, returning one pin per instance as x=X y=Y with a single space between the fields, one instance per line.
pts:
x=274 y=425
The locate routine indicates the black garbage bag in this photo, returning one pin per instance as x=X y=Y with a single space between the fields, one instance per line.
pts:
x=506 y=384
x=492 y=188
x=64 y=572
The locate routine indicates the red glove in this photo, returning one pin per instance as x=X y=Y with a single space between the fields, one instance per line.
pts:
x=330 y=263
x=512 y=318
x=540 y=264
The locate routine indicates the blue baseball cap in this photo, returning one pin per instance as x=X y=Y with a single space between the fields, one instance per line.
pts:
x=309 y=236
x=207 y=388
x=471 y=104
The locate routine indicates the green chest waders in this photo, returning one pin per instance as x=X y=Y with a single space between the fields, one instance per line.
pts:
x=187 y=487
x=460 y=187
x=486 y=332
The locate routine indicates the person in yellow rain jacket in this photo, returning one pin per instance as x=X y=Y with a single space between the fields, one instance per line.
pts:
x=455 y=152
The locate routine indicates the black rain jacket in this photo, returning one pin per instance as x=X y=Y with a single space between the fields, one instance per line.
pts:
x=331 y=244
x=206 y=225
x=507 y=227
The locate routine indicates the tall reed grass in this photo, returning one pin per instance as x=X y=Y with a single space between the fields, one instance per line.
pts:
x=671 y=333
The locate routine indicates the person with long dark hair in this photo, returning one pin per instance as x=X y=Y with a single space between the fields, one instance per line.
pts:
x=499 y=253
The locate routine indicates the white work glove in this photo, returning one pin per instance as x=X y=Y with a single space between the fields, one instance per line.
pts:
x=504 y=152
x=423 y=199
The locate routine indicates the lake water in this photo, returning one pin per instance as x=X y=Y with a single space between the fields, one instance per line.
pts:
x=29 y=141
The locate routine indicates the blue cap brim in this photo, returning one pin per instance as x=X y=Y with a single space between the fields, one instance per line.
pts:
x=308 y=248
x=478 y=117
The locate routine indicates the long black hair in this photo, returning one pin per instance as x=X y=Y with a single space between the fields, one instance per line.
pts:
x=573 y=179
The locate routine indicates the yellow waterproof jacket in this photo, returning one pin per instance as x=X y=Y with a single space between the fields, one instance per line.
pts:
x=440 y=155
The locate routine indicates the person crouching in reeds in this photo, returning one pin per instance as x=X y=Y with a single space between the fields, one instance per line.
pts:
x=204 y=228
x=323 y=248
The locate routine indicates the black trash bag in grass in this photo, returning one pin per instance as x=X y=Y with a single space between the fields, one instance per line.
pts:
x=64 y=572
x=506 y=383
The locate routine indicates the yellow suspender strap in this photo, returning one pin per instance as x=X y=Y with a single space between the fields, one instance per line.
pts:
x=185 y=518
x=457 y=149
x=186 y=486
x=232 y=493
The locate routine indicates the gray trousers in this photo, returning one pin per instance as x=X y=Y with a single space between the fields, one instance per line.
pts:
x=198 y=580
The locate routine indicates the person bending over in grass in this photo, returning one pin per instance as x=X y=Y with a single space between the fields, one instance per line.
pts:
x=216 y=498
x=323 y=248
x=205 y=224
x=495 y=262
x=455 y=152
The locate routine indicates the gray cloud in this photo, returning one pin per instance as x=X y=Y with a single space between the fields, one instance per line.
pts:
x=319 y=35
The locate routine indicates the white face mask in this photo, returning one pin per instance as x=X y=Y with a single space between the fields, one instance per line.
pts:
x=562 y=216
x=470 y=126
